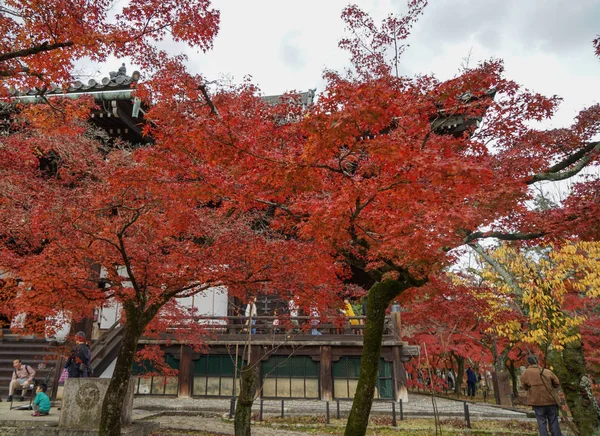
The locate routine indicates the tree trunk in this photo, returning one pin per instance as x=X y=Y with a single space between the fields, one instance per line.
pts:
x=117 y=389
x=460 y=371
x=570 y=368
x=243 y=410
x=379 y=298
x=513 y=376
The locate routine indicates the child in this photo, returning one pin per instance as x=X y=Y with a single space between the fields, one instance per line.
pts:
x=41 y=403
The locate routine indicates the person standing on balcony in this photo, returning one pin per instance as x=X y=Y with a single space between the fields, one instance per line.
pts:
x=22 y=378
x=293 y=309
x=349 y=311
x=314 y=314
x=275 y=323
x=350 y=315
x=250 y=314
x=78 y=363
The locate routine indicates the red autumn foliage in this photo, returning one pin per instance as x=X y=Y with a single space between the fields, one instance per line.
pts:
x=40 y=41
x=384 y=174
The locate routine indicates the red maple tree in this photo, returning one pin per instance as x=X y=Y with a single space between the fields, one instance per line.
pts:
x=386 y=175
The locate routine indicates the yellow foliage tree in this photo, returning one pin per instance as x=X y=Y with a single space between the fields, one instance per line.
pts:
x=540 y=280
x=534 y=285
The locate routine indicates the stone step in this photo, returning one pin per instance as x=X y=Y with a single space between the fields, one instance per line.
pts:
x=36 y=352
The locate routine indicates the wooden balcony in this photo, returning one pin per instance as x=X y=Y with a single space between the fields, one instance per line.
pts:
x=233 y=330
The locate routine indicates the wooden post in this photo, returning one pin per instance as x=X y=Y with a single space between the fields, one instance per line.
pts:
x=325 y=374
x=396 y=326
x=185 y=372
x=399 y=373
x=467 y=415
x=60 y=363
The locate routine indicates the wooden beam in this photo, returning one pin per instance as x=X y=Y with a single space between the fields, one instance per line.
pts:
x=325 y=374
x=399 y=373
x=126 y=118
x=186 y=376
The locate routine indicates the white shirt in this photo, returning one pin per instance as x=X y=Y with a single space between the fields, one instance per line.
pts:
x=251 y=310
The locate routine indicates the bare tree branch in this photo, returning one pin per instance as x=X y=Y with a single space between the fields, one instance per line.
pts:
x=498 y=267
x=209 y=102
x=45 y=46
x=581 y=158
x=503 y=236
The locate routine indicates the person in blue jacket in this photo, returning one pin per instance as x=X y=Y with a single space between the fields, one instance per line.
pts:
x=471 y=382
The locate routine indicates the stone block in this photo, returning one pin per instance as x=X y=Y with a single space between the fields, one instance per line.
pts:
x=82 y=403
x=502 y=388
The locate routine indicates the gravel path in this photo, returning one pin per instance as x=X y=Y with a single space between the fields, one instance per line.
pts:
x=215 y=425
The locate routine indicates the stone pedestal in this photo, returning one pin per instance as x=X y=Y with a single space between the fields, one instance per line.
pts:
x=502 y=388
x=82 y=403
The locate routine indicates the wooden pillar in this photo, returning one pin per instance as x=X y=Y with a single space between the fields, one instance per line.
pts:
x=325 y=374
x=60 y=363
x=185 y=372
x=255 y=356
x=396 y=326
x=399 y=373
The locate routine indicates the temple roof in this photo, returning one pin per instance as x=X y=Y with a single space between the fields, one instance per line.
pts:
x=306 y=99
x=117 y=81
x=119 y=113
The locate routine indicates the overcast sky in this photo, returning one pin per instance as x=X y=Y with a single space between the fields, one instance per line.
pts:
x=285 y=45
x=545 y=44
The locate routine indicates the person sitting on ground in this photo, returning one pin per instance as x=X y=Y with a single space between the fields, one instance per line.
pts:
x=22 y=378
x=78 y=363
x=41 y=403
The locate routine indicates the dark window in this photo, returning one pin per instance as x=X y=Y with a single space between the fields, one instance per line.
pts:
x=345 y=378
x=214 y=374
x=154 y=385
x=290 y=377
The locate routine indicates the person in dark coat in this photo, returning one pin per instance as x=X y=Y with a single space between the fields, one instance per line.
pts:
x=471 y=382
x=78 y=363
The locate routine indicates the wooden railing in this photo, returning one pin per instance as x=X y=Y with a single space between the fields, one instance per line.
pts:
x=104 y=350
x=303 y=325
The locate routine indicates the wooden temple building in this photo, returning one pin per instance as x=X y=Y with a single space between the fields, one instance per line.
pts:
x=293 y=362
